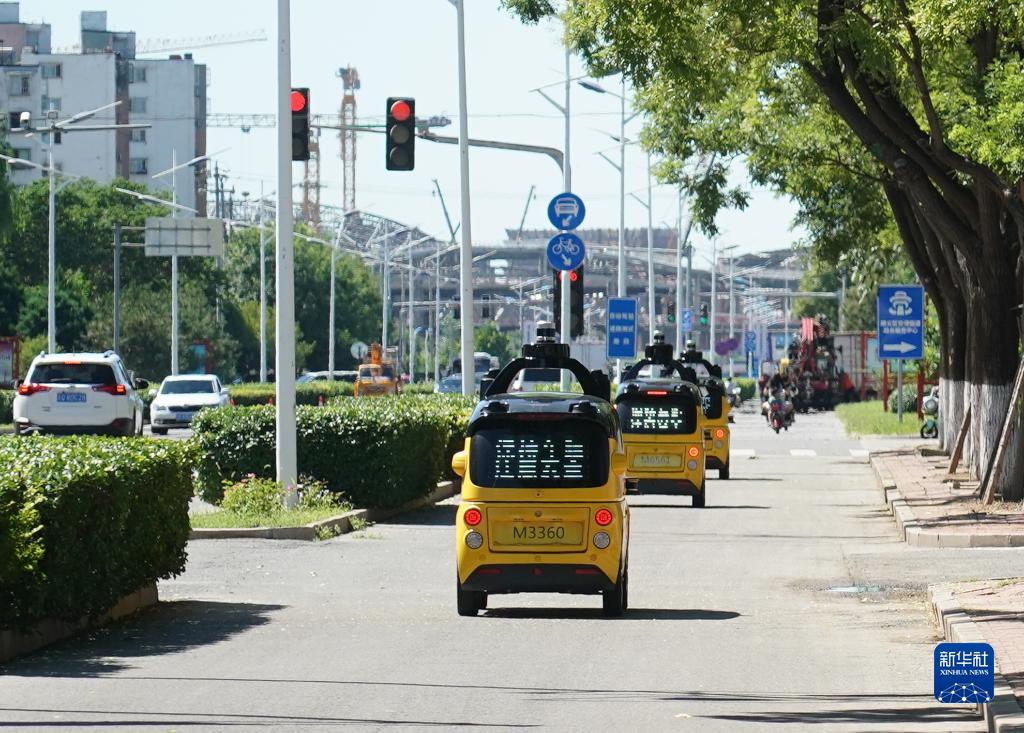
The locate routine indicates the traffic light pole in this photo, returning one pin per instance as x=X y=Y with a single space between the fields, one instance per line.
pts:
x=466 y=250
x=287 y=462
x=566 y=304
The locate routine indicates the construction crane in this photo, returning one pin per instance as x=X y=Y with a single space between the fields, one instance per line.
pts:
x=162 y=45
x=350 y=82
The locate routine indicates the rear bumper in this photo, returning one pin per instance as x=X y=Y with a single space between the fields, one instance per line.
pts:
x=538 y=578
x=117 y=427
x=676 y=487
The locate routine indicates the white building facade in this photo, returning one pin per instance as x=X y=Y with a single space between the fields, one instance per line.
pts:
x=168 y=94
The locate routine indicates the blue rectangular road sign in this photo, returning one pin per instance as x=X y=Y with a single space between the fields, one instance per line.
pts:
x=621 y=328
x=686 y=319
x=901 y=322
x=750 y=342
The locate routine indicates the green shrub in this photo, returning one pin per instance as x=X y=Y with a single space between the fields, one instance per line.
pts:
x=748 y=387
x=252 y=495
x=374 y=451
x=909 y=399
x=6 y=406
x=418 y=388
x=83 y=521
x=257 y=393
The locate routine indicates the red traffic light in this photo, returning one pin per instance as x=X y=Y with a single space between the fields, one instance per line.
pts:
x=573 y=275
x=298 y=101
x=401 y=110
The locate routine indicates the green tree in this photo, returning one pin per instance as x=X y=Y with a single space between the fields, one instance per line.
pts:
x=497 y=343
x=913 y=103
x=74 y=305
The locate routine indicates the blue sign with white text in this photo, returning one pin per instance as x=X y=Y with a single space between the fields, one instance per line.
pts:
x=686 y=319
x=621 y=328
x=901 y=322
x=750 y=342
x=566 y=211
x=566 y=251
x=964 y=673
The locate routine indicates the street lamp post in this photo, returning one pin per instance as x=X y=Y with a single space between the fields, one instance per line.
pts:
x=51 y=129
x=466 y=251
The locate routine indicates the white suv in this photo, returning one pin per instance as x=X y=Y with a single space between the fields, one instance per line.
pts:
x=79 y=393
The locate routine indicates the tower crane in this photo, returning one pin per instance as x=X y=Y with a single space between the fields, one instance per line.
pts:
x=162 y=45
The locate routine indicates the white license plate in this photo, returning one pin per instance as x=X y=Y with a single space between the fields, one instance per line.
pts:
x=183 y=416
x=71 y=397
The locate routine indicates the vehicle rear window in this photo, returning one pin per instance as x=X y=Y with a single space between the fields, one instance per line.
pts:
x=556 y=454
x=668 y=415
x=92 y=374
x=190 y=386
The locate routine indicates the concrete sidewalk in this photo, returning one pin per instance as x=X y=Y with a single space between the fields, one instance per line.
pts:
x=989 y=611
x=933 y=509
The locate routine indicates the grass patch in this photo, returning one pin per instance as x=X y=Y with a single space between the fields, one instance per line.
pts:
x=224 y=519
x=868 y=418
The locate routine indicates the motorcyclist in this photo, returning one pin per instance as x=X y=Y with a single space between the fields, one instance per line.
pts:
x=777 y=388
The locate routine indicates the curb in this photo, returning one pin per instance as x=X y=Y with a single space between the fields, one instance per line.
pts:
x=909 y=526
x=341 y=524
x=50 y=631
x=1004 y=714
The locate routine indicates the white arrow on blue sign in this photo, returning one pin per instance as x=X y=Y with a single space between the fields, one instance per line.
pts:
x=901 y=322
x=566 y=211
x=566 y=251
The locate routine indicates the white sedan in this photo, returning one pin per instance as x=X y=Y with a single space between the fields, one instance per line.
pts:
x=181 y=397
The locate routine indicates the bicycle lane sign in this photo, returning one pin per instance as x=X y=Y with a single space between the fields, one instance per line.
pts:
x=566 y=251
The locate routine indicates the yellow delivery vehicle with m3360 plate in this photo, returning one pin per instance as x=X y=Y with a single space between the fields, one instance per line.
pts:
x=543 y=503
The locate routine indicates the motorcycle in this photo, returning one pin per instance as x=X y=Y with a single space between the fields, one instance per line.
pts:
x=778 y=418
x=930 y=407
x=732 y=392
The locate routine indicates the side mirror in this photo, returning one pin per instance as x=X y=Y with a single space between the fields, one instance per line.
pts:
x=459 y=464
x=618 y=463
x=16 y=384
x=141 y=384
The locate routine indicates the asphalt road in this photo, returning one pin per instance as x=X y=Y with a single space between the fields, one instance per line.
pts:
x=788 y=603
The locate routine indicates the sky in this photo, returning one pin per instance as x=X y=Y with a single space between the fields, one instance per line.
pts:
x=408 y=48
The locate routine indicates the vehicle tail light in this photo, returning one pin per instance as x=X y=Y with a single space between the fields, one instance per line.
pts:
x=603 y=517
x=30 y=389
x=693 y=451
x=489 y=571
x=657 y=392
x=586 y=571
x=719 y=433
x=114 y=389
x=472 y=517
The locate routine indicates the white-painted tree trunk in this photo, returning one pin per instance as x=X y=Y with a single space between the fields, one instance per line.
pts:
x=967 y=395
x=951 y=412
x=990 y=402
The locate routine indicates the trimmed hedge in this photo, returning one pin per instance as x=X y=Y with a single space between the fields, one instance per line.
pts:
x=374 y=451
x=6 y=406
x=260 y=393
x=84 y=521
x=909 y=399
x=748 y=387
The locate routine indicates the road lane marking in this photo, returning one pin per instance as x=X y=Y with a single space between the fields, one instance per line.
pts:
x=803 y=453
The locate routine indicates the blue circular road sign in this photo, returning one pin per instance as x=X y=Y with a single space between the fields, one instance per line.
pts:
x=566 y=211
x=566 y=251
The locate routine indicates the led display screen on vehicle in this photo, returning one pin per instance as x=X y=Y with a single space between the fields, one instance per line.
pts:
x=657 y=415
x=557 y=454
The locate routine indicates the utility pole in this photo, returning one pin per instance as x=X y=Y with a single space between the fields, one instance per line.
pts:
x=386 y=278
x=437 y=285
x=651 y=284
x=117 y=288
x=263 y=288
x=714 y=297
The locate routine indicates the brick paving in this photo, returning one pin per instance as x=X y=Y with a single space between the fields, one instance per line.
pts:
x=935 y=509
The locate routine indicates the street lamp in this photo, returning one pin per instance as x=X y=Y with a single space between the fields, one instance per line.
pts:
x=621 y=168
x=172 y=171
x=648 y=204
x=52 y=128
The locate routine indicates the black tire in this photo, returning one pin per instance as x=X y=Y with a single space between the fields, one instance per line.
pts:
x=469 y=602
x=700 y=497
x=615 y=601
x=723 y=472
x=159 y=431
x=929 y=433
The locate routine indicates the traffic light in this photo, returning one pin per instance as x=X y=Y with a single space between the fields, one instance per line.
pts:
x=300 y=123
x=671 y=317
x=703 y=314
x=575 y=300
x=401 y=134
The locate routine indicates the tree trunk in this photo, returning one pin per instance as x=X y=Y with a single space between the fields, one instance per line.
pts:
x=952 y=404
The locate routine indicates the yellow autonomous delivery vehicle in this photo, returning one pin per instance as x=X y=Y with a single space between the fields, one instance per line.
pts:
x=662 y=426
x=716 y=409
x=543 y=501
